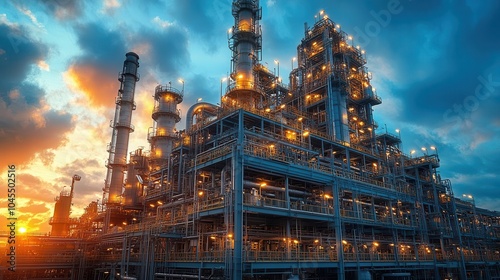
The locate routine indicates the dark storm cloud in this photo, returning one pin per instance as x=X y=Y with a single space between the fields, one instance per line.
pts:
x=198 y=86
x=168 y=50
x=18 y=54
x=95 y=71
x=281 y=28
x=439 y=54
x=200 y=17
x=102 y=48
x=103 y=53
x=25 y=126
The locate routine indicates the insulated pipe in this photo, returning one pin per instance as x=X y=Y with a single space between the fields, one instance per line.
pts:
x=253 y=184
x=188 y=276
x=223 y=179
x=171 y=204
x=200 y=105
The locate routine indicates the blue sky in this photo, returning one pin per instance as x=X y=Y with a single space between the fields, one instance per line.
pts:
x=436 y=65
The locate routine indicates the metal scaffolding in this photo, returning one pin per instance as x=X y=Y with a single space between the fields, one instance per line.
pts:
x=281 y=182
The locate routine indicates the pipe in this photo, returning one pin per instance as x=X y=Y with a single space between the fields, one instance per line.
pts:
x=253 y=184
x=189 y=276
x=192 y=110
x=171 y=204
x=223 y=180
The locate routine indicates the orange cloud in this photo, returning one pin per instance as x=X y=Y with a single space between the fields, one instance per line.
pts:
x=20 y=144
x=31 y=187
x=99 y=86
x=34 y=207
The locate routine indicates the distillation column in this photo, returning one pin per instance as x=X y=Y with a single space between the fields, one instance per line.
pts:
x=245 y=43
x=122 y=127
x=165 y=116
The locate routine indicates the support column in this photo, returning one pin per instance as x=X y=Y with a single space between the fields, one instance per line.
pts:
x=237 y=163
x=338 y=230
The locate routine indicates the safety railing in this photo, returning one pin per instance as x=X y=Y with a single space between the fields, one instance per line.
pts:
x=210 y=204
x=255 y=149
x=295 y=255
x=169 y=88
x=277 y=203
x=212 y=154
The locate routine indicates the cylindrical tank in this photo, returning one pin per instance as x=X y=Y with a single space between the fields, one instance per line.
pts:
x=165 y=116
x=137 y=166
x=122 y=127
x=60 y=221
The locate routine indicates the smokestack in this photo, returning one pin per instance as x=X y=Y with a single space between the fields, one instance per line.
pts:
x=245 y=43
x=122 y=127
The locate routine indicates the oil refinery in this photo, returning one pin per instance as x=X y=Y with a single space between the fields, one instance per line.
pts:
x=277 y=181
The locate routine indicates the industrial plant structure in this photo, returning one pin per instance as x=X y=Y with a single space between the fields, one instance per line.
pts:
x=278 y=182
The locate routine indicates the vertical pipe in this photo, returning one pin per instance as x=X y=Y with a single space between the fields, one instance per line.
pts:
x=338 y=229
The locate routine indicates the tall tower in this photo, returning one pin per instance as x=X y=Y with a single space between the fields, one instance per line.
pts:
x=245 y=43
x=334 y=84
x=122 y=127
x=165 y=116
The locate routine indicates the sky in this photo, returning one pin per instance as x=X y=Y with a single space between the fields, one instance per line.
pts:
x=435 y=64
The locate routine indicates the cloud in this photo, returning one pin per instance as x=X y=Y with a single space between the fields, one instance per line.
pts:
x=31 y=187
x=30 y=15
x=92 y=172
x=34 y=207
x=27 y=124
x=98 y=85
x=161 y=23
x=100 y=45
x=64 y=10
x=42 y=64
x=19 y=53
x=167 y=50
x=110 y=6
x=439 y=54
x=19 y=142
x=95 y=71
x=199 y=17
